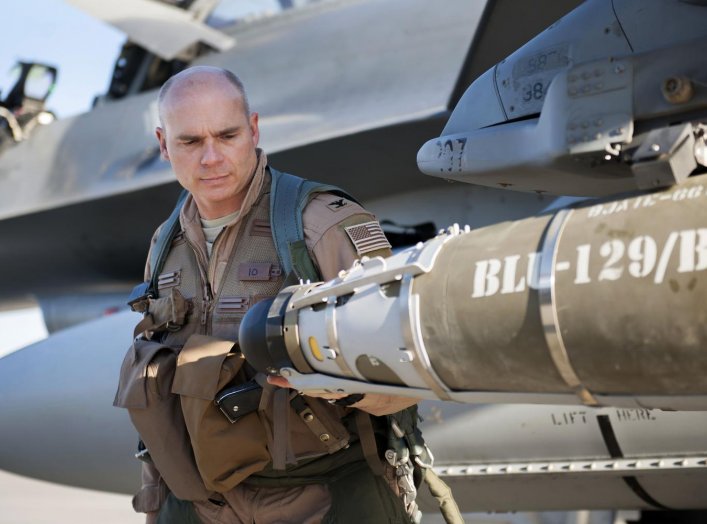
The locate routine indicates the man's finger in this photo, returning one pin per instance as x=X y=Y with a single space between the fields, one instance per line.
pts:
x=281 y=382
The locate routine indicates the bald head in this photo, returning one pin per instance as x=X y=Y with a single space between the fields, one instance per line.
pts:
x=195 y=78
x=209 y=137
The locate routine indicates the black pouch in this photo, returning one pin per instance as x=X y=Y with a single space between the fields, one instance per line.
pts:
x=237 y=401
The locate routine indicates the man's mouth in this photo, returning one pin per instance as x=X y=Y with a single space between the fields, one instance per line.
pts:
x=213 y=178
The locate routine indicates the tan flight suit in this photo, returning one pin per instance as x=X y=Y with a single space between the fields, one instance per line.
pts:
x=242 y=269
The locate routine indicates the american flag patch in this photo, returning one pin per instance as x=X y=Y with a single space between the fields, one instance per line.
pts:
x=367 y=237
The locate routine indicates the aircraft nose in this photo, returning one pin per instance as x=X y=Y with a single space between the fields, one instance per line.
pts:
x=57 y=421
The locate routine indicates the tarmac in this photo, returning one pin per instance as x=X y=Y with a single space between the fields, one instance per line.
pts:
x=28 y=501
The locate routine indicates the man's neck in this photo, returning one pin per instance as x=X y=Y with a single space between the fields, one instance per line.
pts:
x=221 y=209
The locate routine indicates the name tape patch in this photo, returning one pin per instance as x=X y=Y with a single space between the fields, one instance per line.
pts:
x=367 y=237
x=258 y=271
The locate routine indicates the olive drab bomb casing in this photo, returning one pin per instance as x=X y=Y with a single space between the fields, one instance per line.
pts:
x=601 y=304
x=607 y=298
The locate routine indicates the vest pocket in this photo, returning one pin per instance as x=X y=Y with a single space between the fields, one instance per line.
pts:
x=313 y=428
x=144 y=389
x=167 y=313
x=225 y=453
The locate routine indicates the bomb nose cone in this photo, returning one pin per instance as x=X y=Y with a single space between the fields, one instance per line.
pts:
x=252 y=336
x=57 y=421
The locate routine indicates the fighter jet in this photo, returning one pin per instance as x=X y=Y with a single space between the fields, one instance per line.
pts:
x=385 y=83
x=330 y=79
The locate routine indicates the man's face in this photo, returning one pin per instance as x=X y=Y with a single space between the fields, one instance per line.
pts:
x=210 y=142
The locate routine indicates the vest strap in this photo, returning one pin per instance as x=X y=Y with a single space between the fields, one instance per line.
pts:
x=289 y=195
x=164 y=241
x=443 y=495
x=368 y=442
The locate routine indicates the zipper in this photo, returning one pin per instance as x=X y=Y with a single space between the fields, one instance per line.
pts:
x=206 y=292
x=211 y=268
x=210 y=273
x=206 y=304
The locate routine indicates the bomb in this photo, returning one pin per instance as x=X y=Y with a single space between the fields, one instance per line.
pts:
x=601 y=304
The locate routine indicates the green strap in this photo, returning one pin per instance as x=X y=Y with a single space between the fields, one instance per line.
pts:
x=138 y=299
x=289 y=195
x=164 y=241
x=443 y=494
x=411 y=438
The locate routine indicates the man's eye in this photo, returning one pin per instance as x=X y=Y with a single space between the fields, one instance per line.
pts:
x=229 y=136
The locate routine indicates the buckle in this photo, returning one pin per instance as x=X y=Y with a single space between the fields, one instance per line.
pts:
x=139 y=297
x=430 y=458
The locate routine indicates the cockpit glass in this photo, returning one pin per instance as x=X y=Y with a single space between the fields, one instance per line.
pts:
x=39 y=82
x=229 y=12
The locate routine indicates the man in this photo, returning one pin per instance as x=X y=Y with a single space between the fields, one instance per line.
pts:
x=210 y=137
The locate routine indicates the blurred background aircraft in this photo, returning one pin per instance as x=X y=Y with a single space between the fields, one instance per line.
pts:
x=347 y=90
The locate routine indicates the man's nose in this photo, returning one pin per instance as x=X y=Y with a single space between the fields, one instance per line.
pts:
x=211 y=154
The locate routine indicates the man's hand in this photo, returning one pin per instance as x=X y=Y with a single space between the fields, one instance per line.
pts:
x=373 y=403
x=282 y=382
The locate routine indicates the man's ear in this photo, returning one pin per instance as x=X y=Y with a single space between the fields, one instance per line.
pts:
x=253 y=122
x=162 y=139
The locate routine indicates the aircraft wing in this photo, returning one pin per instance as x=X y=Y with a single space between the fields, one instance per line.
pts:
x=160 y=28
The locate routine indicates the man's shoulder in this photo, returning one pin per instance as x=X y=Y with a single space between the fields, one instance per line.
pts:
x=325 y=210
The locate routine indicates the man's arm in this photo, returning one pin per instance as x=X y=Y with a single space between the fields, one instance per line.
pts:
x=373 y=403
x=379 y=405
